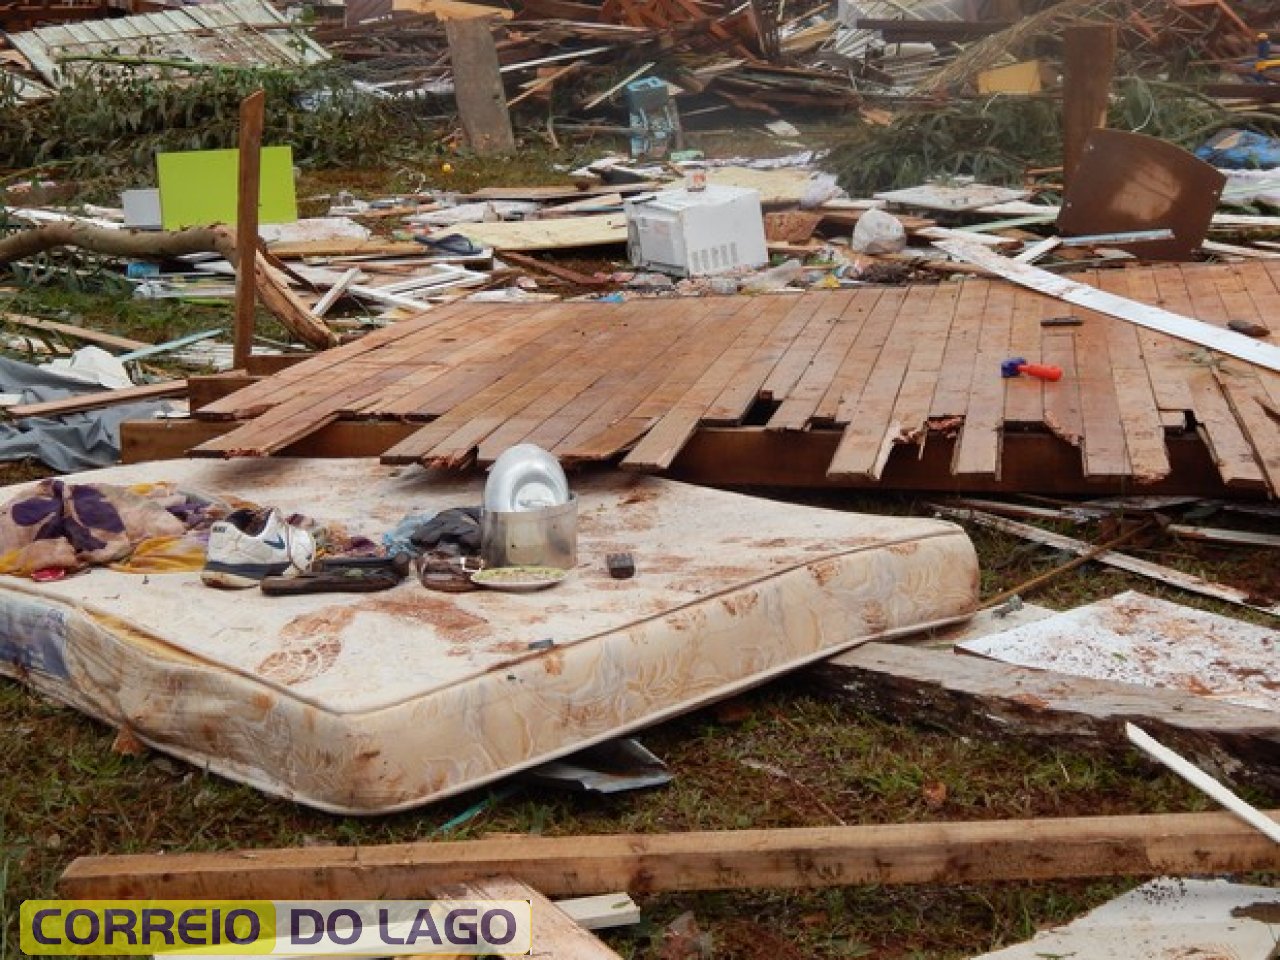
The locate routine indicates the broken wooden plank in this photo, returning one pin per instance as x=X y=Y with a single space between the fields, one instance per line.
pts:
x=551 y=194
x=555 y=270
x=348 y=247
x=543 y=82
x=789 y=858
x=104 y=398
x=564 y=233
x=1153 y=318
x=602 y=911
x=1144 y=568
x=98 y=337
x=978 y=696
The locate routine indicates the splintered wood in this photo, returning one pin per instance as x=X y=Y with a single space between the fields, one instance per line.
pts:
x=878 y=367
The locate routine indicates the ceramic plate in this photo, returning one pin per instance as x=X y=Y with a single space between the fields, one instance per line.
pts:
x=519 y=579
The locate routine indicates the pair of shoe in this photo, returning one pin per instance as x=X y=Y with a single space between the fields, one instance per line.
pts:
x=258 y=548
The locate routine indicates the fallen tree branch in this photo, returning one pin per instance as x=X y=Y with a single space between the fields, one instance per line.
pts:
x=273 y=289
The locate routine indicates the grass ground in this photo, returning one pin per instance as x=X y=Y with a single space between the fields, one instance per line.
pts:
x=784 y=755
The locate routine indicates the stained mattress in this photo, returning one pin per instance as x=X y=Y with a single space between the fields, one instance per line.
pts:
x=369 y=703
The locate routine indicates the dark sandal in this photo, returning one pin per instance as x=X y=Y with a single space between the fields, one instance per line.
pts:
x=448 y=574
x=398 y=564
x=341 y=580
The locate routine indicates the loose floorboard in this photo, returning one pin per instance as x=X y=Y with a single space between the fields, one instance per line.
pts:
x=877 y=367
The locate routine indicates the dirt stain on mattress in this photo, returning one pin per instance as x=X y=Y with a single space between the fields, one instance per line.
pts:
x=875 y=616
x=824 y=571
x=310 y=645
x=691 y=620
x=448 y=619
x=639 y=496
x=740 y=604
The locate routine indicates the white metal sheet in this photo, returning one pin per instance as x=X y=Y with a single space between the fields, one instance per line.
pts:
x=1166 y=919
x=1133 y=638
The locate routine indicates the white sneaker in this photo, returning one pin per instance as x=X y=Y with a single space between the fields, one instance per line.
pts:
x=249 y=545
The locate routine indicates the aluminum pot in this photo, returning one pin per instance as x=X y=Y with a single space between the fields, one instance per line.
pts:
x=540 y=538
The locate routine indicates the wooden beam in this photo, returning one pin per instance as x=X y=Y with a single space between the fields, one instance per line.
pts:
x=477 y=86
x=265 y=364
x=103 y=398
x=142 y=441
x=975 y=696
x=204 y=390
x=252 y=113
x=1259 y=352
x=1089 y=55
x=797 y=858
x=752 y=456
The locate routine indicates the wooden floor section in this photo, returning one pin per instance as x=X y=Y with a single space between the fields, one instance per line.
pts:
x=884 y=366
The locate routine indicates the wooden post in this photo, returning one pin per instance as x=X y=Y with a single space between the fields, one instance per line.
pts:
x=1089 y=58
x=477 y=86
x=796 y=857
x=251 y=121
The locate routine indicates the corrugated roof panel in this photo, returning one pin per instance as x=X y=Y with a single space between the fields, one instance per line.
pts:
x=238 y=33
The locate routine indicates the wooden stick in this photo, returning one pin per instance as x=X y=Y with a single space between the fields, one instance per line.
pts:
x=1202 y=781
x=252 y=117
x=597 y=100
x=805 y=857
x=546 y=81
x=1038 y=581
x=103 y=398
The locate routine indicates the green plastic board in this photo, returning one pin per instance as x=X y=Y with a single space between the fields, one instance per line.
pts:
x=198 y=187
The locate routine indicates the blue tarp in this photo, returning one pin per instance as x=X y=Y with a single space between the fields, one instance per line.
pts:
x=1241 y=150
x=74 y=441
